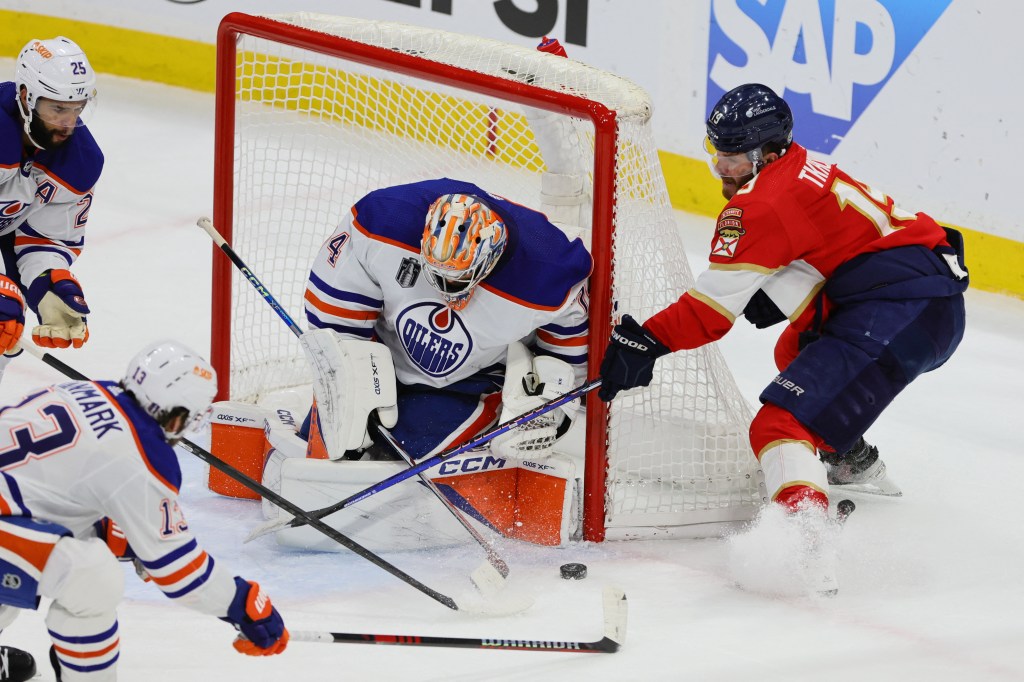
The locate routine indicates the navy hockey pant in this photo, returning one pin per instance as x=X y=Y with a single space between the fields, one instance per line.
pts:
x=869 y=350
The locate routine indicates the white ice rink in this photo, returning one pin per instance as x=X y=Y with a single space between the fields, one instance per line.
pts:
x=931 y=584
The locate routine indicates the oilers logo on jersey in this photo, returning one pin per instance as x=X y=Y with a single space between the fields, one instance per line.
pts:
x=435 y=337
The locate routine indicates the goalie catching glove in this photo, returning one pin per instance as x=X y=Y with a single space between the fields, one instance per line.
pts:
x=57 y=298
x=12 y=314
x=261 y=628
x=529 y=383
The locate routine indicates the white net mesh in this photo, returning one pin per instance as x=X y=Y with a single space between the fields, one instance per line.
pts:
x=315 y=132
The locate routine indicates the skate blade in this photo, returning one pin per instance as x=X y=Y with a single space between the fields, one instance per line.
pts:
x=884 y=488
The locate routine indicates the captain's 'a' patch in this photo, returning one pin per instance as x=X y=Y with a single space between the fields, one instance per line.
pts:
x=408 y=272
x=729 y=229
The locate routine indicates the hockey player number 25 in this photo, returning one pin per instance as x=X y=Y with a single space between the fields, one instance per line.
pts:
x=873 y=205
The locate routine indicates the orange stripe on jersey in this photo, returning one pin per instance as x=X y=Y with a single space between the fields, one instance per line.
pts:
x=183 y=572
x=138 y=443
x=378 y=238
x=87 y=654
x=59 y=181
x=522 y=302
x=338 y=311
x=36 y=553
x=5 y=508
x=548 y=337
x=28 y=241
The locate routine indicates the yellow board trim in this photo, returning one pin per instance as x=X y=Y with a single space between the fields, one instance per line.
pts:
x=118 y=51
x=996 y=263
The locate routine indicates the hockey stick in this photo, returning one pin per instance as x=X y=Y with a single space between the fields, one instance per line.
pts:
x=429 y=462
x=269 y=494
x=615 y=614
x=486 y=581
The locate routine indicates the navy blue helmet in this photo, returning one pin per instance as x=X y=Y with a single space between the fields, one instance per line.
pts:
x=748 y=117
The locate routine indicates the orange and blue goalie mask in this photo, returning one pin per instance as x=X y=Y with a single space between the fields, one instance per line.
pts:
x=462 y=242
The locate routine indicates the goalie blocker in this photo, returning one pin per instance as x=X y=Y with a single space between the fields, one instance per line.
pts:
x=524 y=489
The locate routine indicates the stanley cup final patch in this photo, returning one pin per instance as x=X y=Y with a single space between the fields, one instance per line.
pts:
x=729 y=230
x=408 y=272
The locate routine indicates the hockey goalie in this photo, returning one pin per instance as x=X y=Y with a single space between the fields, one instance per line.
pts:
x=482 y=316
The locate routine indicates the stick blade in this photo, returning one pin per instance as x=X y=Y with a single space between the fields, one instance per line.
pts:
x=616 y=612
x=488 y=580
x=268 y=527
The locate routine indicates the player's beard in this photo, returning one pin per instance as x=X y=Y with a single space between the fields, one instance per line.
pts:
x=45 y=137
x=732 y=185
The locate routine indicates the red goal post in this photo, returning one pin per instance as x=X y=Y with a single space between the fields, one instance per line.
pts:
x=314 y=111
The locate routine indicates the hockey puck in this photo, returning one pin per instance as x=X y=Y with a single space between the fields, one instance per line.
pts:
x=573 y=571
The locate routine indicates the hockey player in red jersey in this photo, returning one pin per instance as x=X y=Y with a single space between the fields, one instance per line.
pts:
x=49 y=164
x=873 y=295
x=89 y=466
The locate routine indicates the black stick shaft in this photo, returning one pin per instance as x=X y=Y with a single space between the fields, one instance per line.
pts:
x=281 y=502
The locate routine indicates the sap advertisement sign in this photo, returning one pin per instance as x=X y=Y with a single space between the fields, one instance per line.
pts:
x=827 y=58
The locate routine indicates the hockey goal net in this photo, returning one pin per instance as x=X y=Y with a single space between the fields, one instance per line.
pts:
x=314 y=111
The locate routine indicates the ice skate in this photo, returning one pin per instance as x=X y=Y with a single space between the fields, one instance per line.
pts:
x=861 y=470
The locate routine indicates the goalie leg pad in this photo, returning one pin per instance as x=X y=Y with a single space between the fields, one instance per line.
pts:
x=236 y=436
x=280 y=442
x=529 y=499
x=402 y=517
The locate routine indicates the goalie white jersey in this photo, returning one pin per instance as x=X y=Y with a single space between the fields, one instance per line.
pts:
x=77 y=452
x=367 y=283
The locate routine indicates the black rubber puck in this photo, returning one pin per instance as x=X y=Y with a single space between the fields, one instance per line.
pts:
x=574 y=571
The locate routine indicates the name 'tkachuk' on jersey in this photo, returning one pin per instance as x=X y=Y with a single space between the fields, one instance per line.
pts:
x=786 y=231
x=367 y=282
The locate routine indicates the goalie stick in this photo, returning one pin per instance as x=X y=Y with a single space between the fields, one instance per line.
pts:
x=615 y=614
x=269 y=494
x=487 y=581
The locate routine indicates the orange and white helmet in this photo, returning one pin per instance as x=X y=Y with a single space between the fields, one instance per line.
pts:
x=462 y=242
x=55 y=69
x=170 y=380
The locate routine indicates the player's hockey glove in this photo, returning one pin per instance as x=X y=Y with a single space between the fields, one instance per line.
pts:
x=762 y=312
x=12 y=314
x=57 y=298
x=629 y=360
x=261 y=628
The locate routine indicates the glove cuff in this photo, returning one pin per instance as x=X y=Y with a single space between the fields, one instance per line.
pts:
x=63 y=284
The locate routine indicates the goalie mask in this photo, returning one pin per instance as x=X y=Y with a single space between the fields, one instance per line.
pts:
x=173 y=384
x=59 y=85
x=462 y=242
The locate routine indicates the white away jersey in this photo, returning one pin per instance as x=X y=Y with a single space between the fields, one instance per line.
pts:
x=366 y=282
x=44 y=199
x=77 y=452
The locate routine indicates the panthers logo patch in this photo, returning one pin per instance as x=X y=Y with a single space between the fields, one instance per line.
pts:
x=729 y=229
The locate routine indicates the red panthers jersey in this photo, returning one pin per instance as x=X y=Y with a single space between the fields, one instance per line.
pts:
x=786 y=231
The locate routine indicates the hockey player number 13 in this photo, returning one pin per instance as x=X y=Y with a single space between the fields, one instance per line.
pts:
x=35 y=439
x=879 y=208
